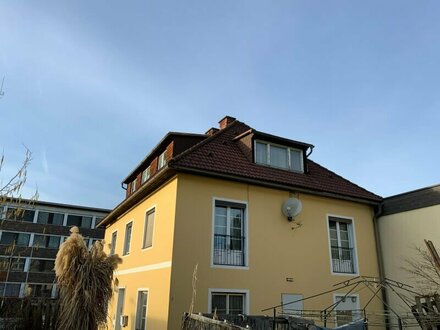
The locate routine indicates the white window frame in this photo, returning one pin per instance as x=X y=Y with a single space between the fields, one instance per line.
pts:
x=146 y=309
x=146 y=174
x=124 y=252
x=244 y=292
x=113 y=248
x=162 y=160
x=245 y=234
x=150 y=210
x=133 y=186
x=289 y=161
x=352 y=238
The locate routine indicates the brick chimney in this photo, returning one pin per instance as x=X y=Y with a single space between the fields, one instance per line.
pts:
x=226 y=121
x=212 y=131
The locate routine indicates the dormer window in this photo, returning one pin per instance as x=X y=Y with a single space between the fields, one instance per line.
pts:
x=279 y=156
x=162 y=161
x=133 y=186
x=146 y=174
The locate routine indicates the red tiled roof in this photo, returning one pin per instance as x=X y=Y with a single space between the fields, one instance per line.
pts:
x=220 y=154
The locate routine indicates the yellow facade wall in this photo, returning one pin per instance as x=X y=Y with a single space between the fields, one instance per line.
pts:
x=277 y=250
x=400 y=233
x=146 y=268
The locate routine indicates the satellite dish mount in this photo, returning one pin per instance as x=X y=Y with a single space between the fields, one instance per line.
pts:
x=291 y=208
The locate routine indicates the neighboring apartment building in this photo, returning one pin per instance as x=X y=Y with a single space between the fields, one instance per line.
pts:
x=215 y=200
x=30 y=235
x=406 y=221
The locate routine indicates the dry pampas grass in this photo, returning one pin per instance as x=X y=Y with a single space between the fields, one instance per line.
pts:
x=85 y=281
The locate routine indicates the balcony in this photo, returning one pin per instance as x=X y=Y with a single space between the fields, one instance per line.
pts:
x=229 y=250
x=342 y=260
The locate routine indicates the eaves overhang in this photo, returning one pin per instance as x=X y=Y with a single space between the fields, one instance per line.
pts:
x=150 y=186
x=161 y=144
x=269 y=184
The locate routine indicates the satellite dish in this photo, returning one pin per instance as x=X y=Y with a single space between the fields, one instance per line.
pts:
x=291 y=208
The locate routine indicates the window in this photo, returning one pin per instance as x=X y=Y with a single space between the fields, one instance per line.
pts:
x=229 y=237
x=279 y=156
x=148 y=229
x=45 y=241
x=98 y=220
x=141 y=310
x=113 y=243
x=133 y=186
x=10 y=289
x=228 y=303
x=50 y=218
x=39 y=290
x=42 y=265
x=19 y=239
x=292 y=303
x=162 y=160
x=347 y=309
x=20 y=214
x=342 y=245
x=79 y=221
x=12 y=264
x=146 y=174
x=128 y=229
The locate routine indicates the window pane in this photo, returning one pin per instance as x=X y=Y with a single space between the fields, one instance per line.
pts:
x=39 y=241
x=236 y=304
x=278 y=156
x=53 y=242
x=8 y=238
x=23 y=239
x=20 y=214
x=86 y=222
x=141 y=314
x=220 y=220
x=113 y=244
x=296 y=160
x=218 y=302
x=127 y=238
x=74 y=220
x=13 y=264
x=12 y=289
x=39 y=290
x=261 y=153
x=149 y=227
x=50 y=218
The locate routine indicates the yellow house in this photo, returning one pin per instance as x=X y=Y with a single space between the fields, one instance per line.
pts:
x=406 y=220
x=263 y=223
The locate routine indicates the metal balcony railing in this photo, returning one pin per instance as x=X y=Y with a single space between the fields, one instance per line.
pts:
x=342 y=260
x=229 y=250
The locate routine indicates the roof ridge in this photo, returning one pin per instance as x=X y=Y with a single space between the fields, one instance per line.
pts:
x=341 y=177
x=203 y=142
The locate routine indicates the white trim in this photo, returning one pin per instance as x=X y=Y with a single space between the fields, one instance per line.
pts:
x=154 y=226
x=125 y=238
x=111 y=242
x=146 y=307
x=161 y=265
x=352 y=237
x=245 y=232
x=245 y=292
x=289 y=161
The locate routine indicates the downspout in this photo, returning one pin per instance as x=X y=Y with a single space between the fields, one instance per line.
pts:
x=376 y=216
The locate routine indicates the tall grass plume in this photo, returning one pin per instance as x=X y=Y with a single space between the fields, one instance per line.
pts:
x=85 y=279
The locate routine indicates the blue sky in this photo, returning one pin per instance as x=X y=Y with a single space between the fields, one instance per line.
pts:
x=91 y=86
